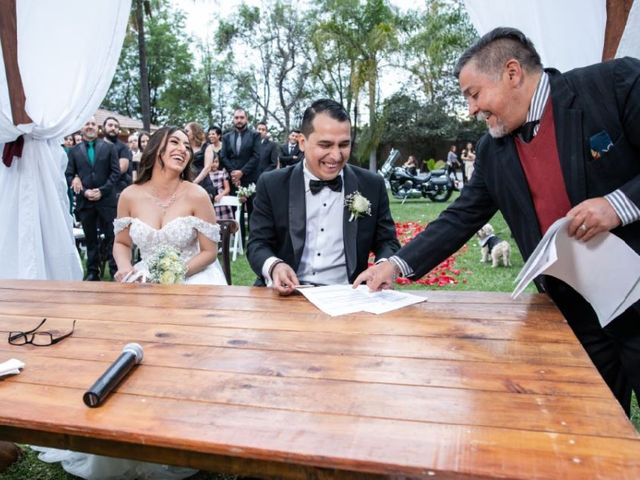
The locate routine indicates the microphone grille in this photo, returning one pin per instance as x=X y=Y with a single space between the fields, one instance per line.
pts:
x=136 y=349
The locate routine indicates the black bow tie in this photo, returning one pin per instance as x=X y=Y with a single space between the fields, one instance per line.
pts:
x=316 y=185
x=526 y=130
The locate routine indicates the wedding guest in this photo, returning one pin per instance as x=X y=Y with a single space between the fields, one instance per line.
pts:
x=201 y=168
x=468 y=156
x=111 y=129
x=69 y=143
x=220 y=179
x=77 y=138
x=214 y=135
x=411 y=165
x=559 y=145
x=142 y=139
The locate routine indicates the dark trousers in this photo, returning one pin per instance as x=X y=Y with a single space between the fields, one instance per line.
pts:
x=98 y=217
x=247 y=210
x=614 y=350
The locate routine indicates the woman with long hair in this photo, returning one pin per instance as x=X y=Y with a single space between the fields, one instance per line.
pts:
x=196 y=136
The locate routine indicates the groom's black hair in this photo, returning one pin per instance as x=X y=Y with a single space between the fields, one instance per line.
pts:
x=327 y=106
x=155 y=148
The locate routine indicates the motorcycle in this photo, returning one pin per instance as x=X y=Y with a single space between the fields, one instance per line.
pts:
x=437 y=185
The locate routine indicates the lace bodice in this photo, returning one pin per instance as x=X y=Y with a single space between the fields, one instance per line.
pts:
x=181 y=233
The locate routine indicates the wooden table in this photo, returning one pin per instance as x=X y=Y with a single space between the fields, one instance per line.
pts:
x=235 y=379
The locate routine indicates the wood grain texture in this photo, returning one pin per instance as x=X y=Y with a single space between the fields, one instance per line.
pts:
x=466 y=385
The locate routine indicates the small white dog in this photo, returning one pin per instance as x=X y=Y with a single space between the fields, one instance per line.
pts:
x=493 y=246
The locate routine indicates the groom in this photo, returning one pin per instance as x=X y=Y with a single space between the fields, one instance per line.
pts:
x=301 y=230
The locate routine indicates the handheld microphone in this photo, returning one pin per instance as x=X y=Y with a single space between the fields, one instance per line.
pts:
x=131 y=355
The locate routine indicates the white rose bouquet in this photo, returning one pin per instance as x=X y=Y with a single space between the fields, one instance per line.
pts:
x=358 y=205
x=247 y=191
x=166 y=266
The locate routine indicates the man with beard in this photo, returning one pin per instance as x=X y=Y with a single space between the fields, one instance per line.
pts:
x=290 y=153
x=92 y=173
x=111 y=129
x=558 y=145
x=240 y=156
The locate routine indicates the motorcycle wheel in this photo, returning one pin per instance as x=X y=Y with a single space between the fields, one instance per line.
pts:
x=442 y=195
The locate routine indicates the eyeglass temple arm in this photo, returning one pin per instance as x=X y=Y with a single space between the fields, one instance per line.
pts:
x=56 y=340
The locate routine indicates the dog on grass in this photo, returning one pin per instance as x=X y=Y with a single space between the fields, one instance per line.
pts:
x=492 y=246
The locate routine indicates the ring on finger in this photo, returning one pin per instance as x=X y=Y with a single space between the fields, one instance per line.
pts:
x=583 y=228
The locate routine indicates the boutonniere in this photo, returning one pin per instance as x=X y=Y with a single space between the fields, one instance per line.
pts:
x=358 y=205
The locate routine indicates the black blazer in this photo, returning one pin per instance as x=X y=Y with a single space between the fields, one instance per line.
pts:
x=286 y=158
x=586 y=101
x=278 y=222
x=268 y=156
x=247 y=160
x=104 y=173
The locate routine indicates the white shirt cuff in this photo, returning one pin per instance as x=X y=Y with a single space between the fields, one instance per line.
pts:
x=405 y=270
x=624 y=207
x=266 y=268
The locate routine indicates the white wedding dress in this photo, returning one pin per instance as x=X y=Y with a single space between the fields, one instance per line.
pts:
x=182 y=234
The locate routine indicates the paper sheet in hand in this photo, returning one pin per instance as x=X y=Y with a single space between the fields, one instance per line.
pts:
x=604 y=270
x=337 y=300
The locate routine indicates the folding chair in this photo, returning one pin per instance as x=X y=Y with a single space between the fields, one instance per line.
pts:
x=231 y=201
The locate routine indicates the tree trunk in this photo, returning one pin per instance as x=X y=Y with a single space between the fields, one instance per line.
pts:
x=145 y=103
x=373 y=122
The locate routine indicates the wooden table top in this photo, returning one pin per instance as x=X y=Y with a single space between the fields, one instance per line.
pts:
x=239 y=380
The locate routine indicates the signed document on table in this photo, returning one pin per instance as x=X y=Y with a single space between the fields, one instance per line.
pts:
x=337 y=300
x=603 y=270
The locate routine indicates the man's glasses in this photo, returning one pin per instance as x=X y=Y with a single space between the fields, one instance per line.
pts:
x=39 y=339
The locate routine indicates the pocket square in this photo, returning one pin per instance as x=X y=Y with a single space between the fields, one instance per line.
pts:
x=600 y=143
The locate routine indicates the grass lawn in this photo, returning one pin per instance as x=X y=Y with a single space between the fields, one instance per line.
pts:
x=473 y=276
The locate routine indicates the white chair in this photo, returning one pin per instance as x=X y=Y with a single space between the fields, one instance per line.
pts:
x=236 y=244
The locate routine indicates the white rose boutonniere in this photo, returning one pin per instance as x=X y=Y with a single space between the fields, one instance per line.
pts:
x=166 y=266
x=358 y=205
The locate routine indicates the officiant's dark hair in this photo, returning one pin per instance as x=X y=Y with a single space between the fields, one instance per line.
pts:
x=327 y=106
x=155 y=149
x=495 y=48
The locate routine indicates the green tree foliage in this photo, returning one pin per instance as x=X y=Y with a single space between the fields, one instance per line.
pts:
x=176 y=91
x=277 y=82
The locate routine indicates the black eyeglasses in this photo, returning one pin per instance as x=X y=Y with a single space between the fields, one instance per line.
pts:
x=38 y=339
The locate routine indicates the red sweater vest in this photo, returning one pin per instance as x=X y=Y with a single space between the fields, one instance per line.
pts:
x=541 y=164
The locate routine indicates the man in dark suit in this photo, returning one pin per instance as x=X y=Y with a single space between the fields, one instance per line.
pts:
x=301 y=230
x=541 y=161
x=92 y=173
x=290 y=152
x=268 y=150
x=240 y=156
x=111 y=129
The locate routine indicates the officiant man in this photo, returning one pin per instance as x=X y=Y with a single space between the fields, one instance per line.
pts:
x=301 y=230
x=558 y=145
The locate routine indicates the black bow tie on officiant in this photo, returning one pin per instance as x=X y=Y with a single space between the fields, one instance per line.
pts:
x=316 y=185
x=526 y=131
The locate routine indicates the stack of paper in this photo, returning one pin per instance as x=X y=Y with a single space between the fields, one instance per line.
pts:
x=604 y=270
x=343 y=299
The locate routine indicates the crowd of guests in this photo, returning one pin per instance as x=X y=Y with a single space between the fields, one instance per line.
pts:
x=101 y=166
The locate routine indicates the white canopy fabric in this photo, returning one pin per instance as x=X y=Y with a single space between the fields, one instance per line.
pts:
x=67 y=53
x=630 y=42
x=567 y=34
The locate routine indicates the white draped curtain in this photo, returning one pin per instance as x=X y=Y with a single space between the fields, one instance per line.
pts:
x=67 y=53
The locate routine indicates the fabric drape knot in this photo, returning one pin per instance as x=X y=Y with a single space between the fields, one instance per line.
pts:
x=12 y=149
x=316 y=185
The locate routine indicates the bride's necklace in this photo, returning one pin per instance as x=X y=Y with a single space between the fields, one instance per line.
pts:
x=166 y=203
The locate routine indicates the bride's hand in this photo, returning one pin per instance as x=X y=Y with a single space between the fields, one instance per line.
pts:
x=121 y=275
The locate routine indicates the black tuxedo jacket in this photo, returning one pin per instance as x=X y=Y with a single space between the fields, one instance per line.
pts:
x=286 y=158
x=268 y=156
x=586 y=101
x=278 y=223
x=104 y=173
x=247 y=160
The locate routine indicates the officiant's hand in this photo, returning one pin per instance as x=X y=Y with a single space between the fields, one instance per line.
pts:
x=284 y=279
x=591 y=217
x=379 y=277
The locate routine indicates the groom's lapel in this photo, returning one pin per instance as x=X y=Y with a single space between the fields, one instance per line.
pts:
x=297 y=212
x=350 y=229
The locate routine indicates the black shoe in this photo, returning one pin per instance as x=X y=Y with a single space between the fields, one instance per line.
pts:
x=92 y=277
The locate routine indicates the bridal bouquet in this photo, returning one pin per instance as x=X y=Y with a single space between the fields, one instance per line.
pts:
x=166 y=266
x=247 y=191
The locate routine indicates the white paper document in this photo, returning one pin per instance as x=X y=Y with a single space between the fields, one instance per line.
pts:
x=604 y=270
x=337 y=300
x=11 y=367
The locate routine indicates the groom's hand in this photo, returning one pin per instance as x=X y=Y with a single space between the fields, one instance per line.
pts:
x=284 y=279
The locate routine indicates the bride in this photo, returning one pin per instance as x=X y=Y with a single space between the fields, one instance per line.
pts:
x=161 y=208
